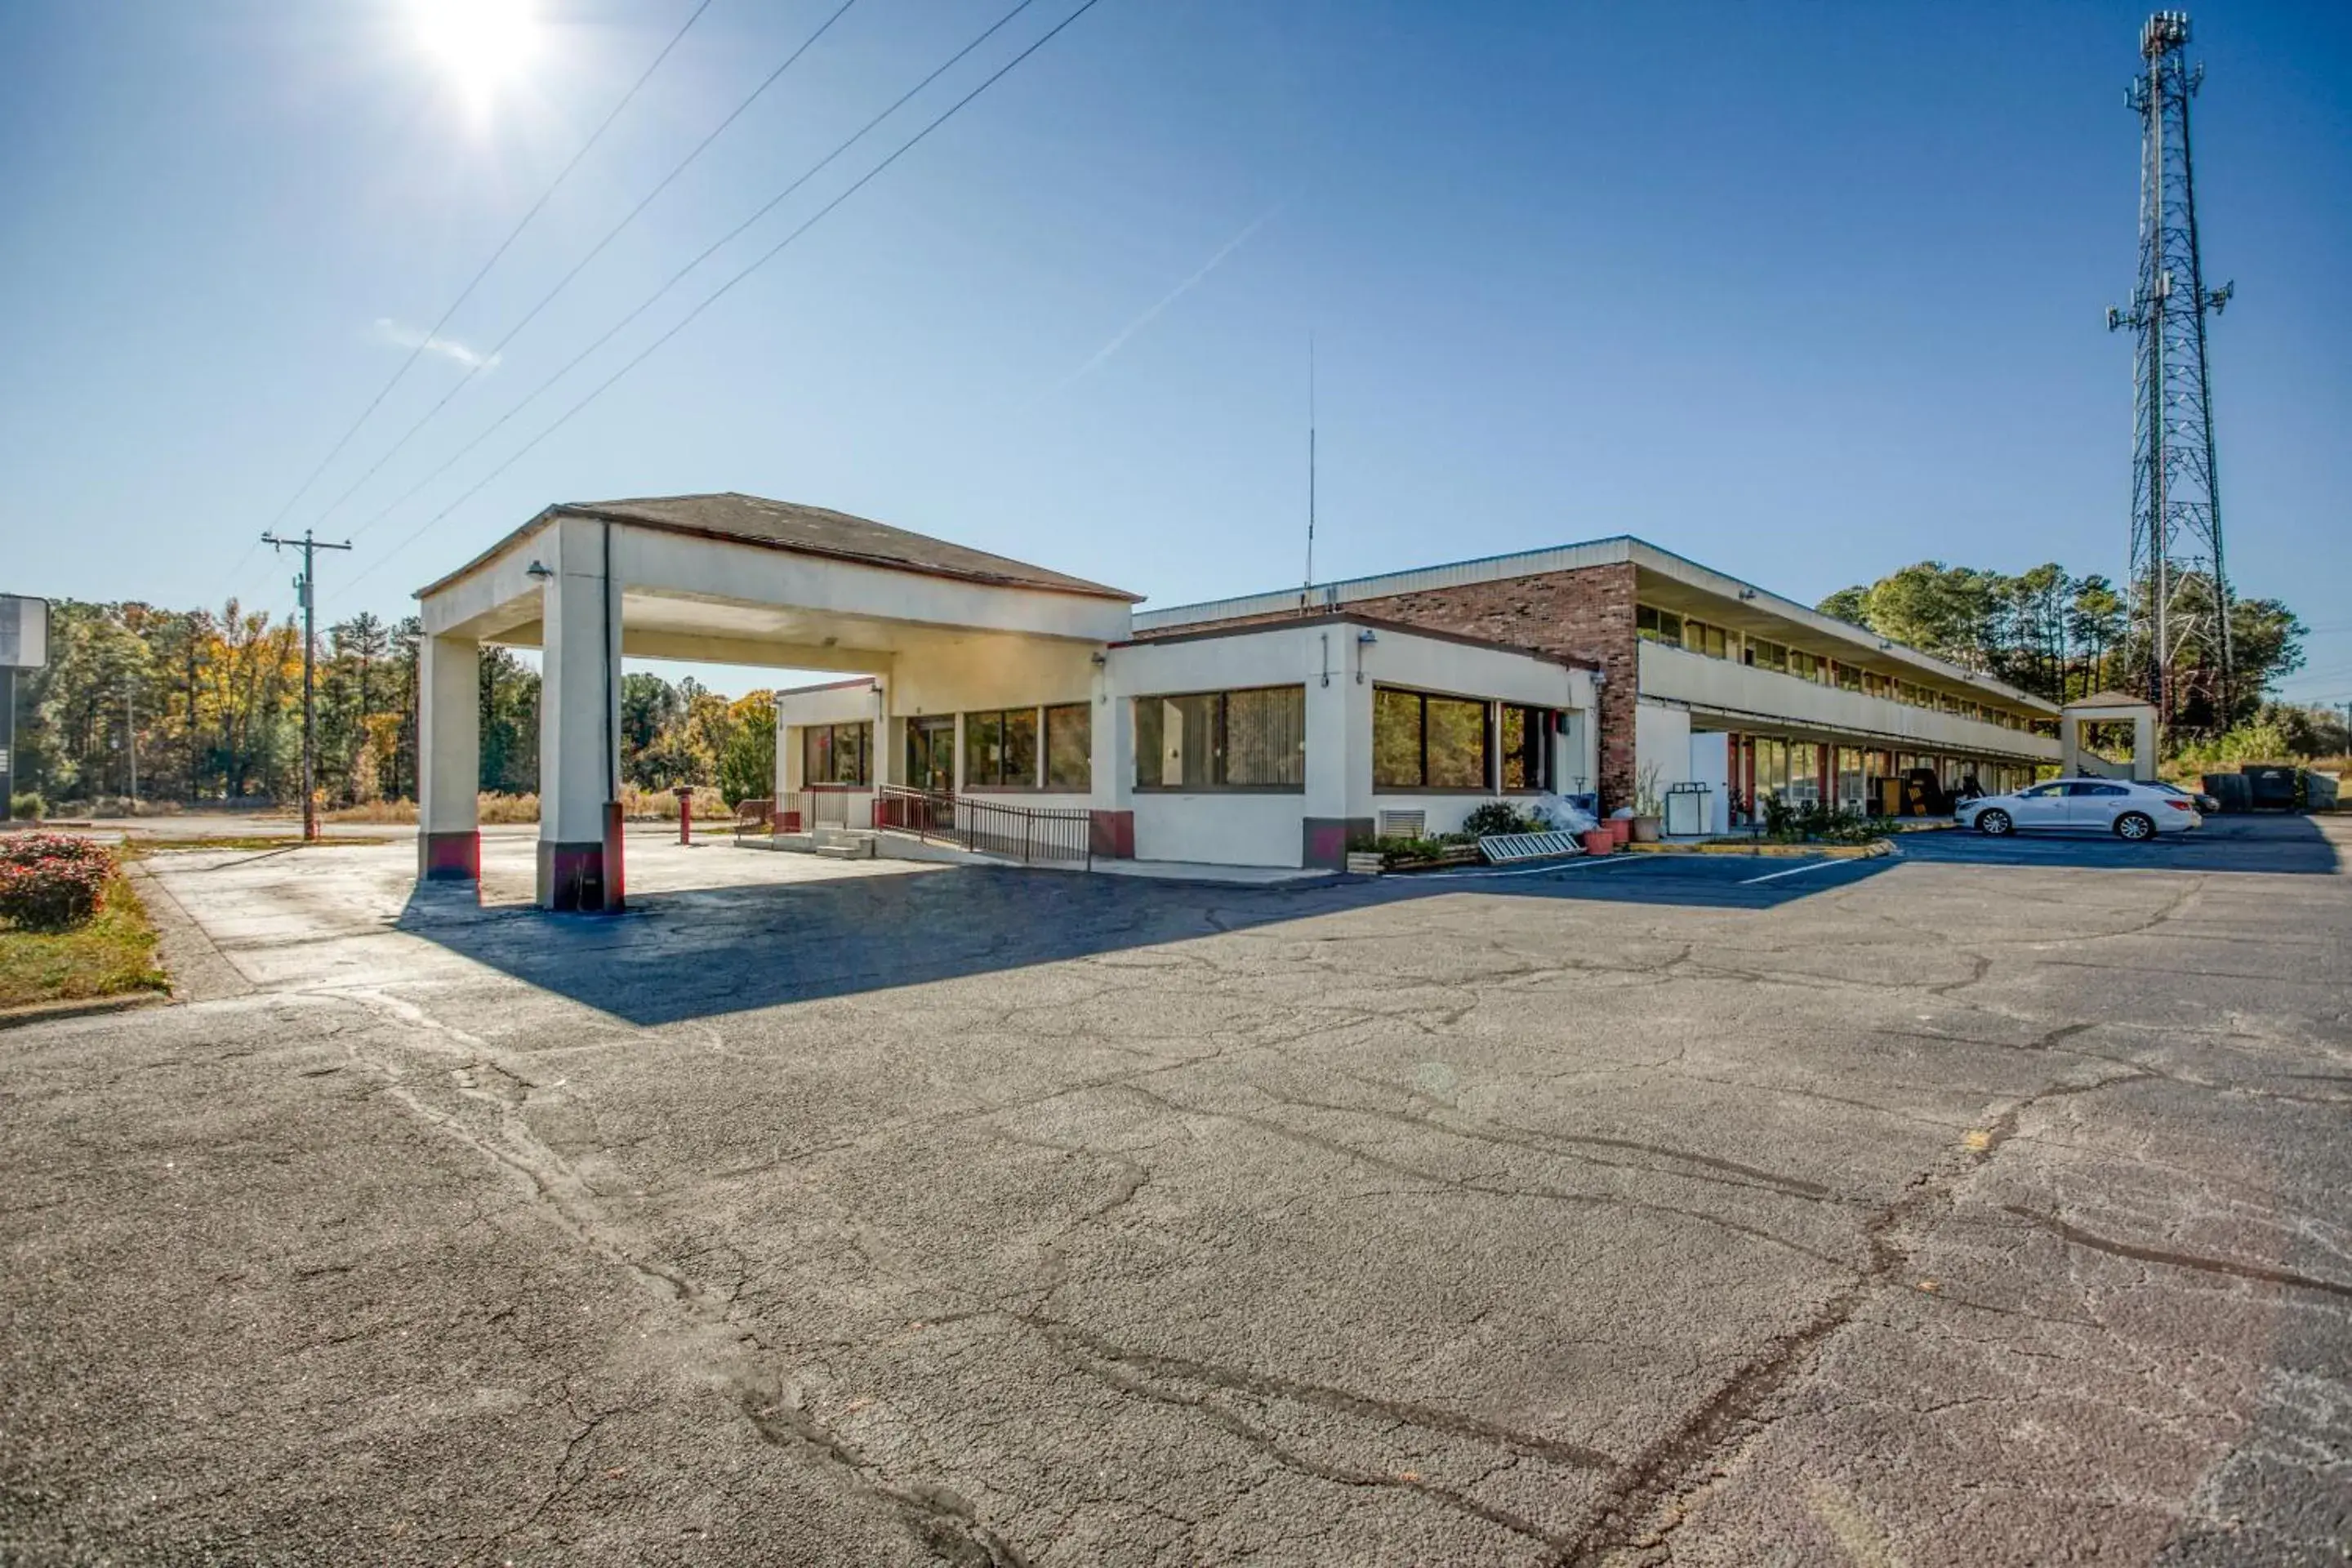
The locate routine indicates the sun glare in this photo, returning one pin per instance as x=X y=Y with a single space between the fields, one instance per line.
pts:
x=480 y=43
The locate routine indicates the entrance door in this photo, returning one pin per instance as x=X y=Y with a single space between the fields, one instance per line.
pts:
x=931 y=754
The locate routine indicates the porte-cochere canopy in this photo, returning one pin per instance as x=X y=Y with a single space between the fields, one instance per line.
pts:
x=727 y=578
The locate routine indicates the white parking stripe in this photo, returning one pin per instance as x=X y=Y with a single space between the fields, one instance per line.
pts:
x=1792 y=871
x=1531 y=870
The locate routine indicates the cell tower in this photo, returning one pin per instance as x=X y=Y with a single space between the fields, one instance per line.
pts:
x=2179 y=592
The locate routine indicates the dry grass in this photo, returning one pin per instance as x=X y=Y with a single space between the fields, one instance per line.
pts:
x=114 y=953
x=637 y=805
x=491 y=808
x=136 y=846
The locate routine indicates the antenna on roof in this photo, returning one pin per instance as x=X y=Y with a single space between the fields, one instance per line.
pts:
x=1307 y=593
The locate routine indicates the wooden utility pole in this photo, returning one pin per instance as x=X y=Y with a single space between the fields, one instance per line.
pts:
x=306 y=585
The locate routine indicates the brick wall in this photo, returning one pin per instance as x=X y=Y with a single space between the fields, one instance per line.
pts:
x=1587 y=613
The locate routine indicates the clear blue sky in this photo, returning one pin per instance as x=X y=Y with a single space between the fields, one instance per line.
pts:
x=1805 y=292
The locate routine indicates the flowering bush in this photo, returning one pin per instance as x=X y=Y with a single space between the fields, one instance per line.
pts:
x=50 y=881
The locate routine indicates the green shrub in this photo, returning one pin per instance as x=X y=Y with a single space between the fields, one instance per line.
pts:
x=49 y=881
x=27 y=806
x=1500 y=817
x=1815 y=823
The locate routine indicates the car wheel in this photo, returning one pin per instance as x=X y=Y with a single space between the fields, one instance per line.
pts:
x=1995 y=822
x=2135 y=825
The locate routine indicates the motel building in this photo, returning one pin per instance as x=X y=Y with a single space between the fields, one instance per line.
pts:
x=1020 y=713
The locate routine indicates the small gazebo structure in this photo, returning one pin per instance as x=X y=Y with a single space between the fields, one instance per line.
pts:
x=2077 y=760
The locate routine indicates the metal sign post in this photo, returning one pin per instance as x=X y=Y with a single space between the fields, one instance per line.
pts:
x=24 y=644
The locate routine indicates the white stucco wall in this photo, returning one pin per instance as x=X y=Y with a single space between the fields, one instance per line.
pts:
x=1340 y=672
x=1662 y=739
x=1219 y=829
x=984 y=674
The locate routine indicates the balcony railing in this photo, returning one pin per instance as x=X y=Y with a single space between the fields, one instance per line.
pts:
x=1769 y=697
x=1030 y=834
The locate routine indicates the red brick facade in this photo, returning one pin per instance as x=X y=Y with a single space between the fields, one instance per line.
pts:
x=1586 y=613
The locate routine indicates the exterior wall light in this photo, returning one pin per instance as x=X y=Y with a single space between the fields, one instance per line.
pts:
x=538 y=569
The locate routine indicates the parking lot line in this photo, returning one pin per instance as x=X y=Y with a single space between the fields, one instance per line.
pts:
x=1793 y=870
x=1532 y=870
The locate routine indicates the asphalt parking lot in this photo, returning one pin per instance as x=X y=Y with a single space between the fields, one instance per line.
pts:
x=1983 y=1204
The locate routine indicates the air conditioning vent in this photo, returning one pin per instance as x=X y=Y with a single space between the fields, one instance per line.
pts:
x=1403 y=824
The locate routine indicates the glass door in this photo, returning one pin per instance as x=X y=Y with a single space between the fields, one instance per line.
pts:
x=930 y=754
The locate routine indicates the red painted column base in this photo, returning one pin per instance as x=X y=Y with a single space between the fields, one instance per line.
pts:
x=449 y=857
x=571 y=877
x=1113 y=834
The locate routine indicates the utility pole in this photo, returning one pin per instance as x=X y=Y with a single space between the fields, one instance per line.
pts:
x=131 y=739
x=307 y=587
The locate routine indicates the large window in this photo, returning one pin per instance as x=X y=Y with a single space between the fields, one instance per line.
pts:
x=999 y=750
x=1222 y=740
x=1804 y=773
x=1771 y=768
x=1069 y=747
x=836 y=754
x=1420 y=741
x=1657 y=625
x=1849 y=777
x=1526 y=748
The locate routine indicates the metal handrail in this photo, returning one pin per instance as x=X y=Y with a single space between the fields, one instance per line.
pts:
x=1029 y=834
x=811 y=809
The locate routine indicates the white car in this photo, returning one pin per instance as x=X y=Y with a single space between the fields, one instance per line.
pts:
x=2137 y=812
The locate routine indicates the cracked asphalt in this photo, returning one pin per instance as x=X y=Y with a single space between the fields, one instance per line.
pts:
x=1985 y=1204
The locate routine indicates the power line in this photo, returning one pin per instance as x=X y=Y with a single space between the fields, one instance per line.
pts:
x=720 y=243
x=490 y=356
x=466 y=293
x=770 y=254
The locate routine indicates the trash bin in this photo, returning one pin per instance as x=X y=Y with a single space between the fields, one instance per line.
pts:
x=2231 y=790
x=1686 y=810
x=2271 y=789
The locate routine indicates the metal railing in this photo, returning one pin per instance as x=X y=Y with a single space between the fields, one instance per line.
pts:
x=1029 y=834
x=806 y=810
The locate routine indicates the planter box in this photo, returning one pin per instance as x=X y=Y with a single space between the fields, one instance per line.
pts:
x=1365 y=863
x=1460 y=854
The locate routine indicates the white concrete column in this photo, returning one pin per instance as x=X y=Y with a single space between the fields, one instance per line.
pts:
x=1331 y=693
x=448 y=759
x=579 y=725
x=1110 y=737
